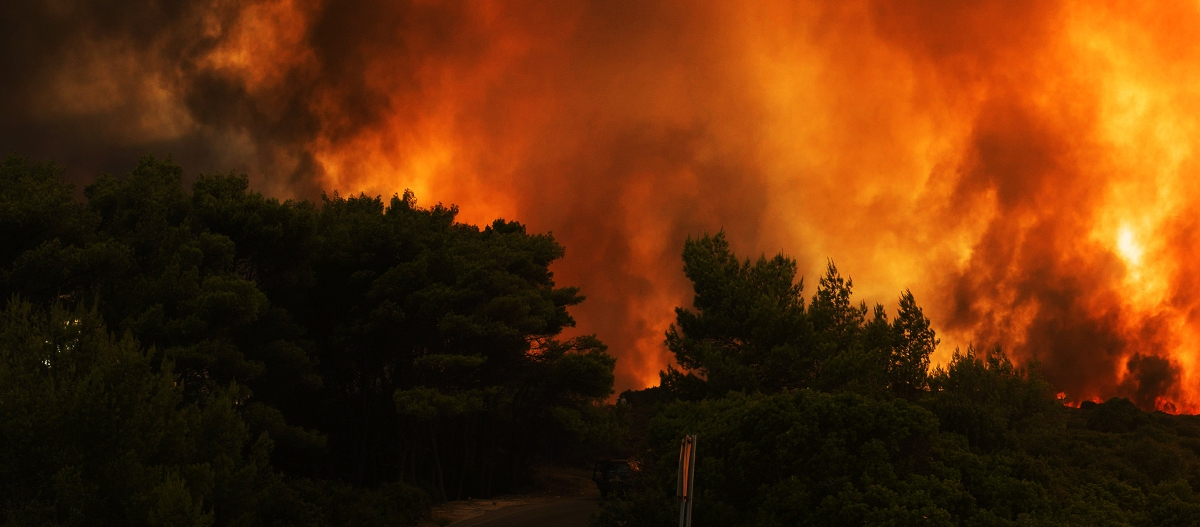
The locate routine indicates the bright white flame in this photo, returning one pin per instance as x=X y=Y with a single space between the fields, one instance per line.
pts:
x=1129 y=247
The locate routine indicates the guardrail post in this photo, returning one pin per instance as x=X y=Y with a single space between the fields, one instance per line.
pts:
x=685 y=487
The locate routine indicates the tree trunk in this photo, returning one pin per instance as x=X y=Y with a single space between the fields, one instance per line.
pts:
x=438 y=476
x=466 y=452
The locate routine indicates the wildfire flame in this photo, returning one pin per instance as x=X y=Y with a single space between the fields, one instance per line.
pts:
x=1026 y=167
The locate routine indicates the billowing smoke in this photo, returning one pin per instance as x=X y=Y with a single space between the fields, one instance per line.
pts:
x=1025 y=167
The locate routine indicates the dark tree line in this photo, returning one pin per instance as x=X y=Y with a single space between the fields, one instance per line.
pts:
x=235 y=359
x=752 y=331
x=825 y=413
x=204 y=355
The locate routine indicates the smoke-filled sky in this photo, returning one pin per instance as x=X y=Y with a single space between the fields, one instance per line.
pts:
x=1026 y=167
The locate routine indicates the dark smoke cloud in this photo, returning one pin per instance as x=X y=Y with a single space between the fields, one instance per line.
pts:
x=1035 y=283
x=363 y=66
x=963 y=149
x=94 y=85
x=1031 y=273
x=1151 y=377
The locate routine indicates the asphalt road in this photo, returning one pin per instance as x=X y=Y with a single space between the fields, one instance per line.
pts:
x=565 y=512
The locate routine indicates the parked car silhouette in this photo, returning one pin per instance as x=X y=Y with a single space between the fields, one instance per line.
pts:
x=614 y=476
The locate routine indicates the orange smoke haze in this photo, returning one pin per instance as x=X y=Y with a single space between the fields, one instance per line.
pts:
x=1027 y=168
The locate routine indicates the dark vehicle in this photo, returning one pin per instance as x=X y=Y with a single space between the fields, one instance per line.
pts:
x=614 y=476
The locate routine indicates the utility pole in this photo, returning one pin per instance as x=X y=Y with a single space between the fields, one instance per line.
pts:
x=685 y=488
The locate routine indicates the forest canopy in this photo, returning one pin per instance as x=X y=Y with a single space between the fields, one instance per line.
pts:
x=205 y=355
x=825 y=412
x=211 y=356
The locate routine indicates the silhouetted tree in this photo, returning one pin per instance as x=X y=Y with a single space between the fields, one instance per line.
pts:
x=750 y=331
x=356 y=341
x=861 y=434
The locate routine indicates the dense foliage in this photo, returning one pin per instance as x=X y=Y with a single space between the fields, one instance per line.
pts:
x=821 y=415
x=209 y=356
x=203 y=355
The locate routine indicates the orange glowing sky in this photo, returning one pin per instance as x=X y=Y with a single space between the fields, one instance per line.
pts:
x=1027 y=168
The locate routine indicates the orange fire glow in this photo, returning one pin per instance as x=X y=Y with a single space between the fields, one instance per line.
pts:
x=1027 y=168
